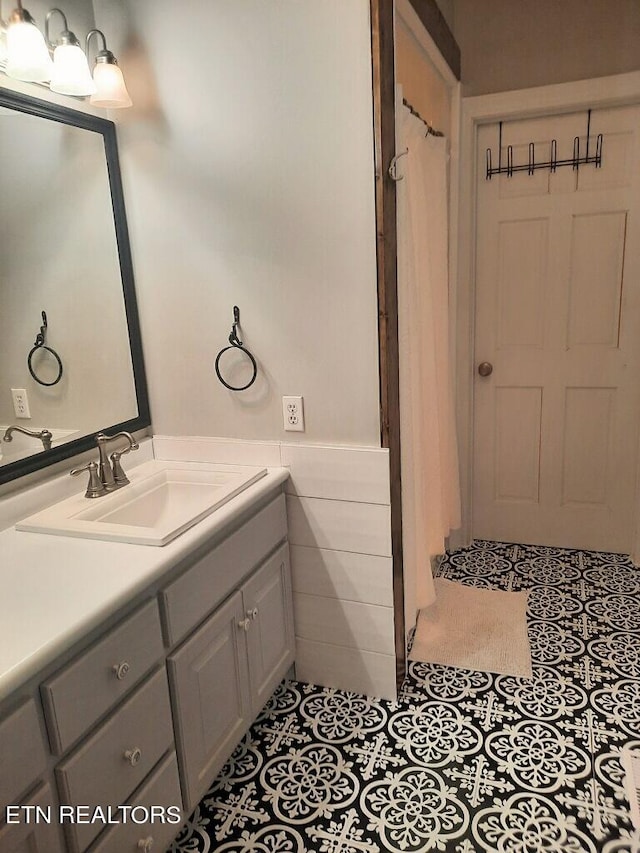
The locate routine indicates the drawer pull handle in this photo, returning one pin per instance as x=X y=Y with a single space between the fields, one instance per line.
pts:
x=121 y=670
x=252 y=614
x=145 y=844
x=133 y=756
x=244 y=624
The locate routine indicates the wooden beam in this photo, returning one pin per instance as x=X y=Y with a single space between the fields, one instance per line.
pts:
x=382 y=50
x=435 y=24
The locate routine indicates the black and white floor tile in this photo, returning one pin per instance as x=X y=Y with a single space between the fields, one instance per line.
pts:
x=465 y=762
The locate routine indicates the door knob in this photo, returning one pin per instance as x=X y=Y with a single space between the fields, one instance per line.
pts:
x=485 y=368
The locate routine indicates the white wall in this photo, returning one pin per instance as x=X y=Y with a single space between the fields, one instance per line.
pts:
x=248 y=167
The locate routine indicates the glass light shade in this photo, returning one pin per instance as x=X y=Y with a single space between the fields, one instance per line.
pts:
x=71 y=75
x=27 y=54
x=111 y=91
x=3 y=46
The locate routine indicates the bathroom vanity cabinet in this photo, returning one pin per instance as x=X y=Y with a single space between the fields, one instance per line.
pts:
x=222 y=676
x=146 y=712
x=23 y=767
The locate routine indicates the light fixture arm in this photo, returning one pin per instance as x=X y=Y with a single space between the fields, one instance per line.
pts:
x=20 y=15
x=103 y=55
x=66 y=36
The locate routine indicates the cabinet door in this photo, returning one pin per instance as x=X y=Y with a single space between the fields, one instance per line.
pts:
x=209 y=681
x=39 y=836
x=270 y=638
x=22 y=754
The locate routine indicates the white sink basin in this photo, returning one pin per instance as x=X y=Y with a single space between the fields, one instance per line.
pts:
x=162 y=500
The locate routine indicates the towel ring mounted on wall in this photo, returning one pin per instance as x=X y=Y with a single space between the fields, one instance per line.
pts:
x=40 y=345
x=236 y=343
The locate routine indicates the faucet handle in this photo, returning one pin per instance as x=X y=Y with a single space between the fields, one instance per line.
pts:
x=116 y=466
x=95 y=489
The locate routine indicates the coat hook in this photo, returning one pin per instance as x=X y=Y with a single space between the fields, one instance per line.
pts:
x=42 y=334
x=234 y=340
x=393 y=172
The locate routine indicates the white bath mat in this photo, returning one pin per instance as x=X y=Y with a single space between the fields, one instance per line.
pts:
x=631 y=765
x=471 y=628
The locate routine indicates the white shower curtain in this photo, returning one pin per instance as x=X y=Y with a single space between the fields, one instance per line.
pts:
x=430 y=479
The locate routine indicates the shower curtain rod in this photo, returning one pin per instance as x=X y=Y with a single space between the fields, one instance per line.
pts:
x=430 y=130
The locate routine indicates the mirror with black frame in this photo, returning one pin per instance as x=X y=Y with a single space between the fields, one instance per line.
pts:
x=70 y=354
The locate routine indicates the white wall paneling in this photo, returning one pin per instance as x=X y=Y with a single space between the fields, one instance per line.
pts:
x=367 y=627
x=337 y=666
x=340 y=534
x=339 y=525
x=342 y=574
x=227 y=451
x=339 y=473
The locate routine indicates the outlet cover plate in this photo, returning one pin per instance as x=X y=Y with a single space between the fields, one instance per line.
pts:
x=293 y=414
x=20 y=403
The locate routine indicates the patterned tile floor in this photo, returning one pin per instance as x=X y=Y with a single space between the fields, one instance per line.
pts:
x=465 y=761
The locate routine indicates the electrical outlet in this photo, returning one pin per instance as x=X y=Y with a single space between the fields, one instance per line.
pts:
x=20 y=403
x=293 y=414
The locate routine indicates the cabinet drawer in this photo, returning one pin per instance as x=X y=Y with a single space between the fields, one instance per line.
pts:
x=106 y=769
x=22 y=754
x=160 y=791
x=34 y=837
x=196 y=593
x=88 y=687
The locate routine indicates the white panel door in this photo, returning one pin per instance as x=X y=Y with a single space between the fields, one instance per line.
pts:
x=557 y=316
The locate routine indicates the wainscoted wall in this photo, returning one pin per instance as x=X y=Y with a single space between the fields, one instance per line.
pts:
x=340 y=535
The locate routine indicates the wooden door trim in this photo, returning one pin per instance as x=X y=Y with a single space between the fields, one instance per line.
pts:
x=383 y=81
x=618 y=90
x=435 y=24
x=384 y=123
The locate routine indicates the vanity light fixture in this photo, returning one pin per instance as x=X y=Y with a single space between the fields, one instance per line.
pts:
x=70 y=74
x=27 y=54
x=111 y=91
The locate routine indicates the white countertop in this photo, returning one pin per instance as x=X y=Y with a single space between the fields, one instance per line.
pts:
x=56 y=589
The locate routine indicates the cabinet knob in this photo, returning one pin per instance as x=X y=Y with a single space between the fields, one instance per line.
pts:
x=133 y=756
x=243 y=624
x=145 y=844
x=121 y=670
x=252 y=614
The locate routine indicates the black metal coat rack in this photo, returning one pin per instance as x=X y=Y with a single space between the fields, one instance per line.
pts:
x=552 y=163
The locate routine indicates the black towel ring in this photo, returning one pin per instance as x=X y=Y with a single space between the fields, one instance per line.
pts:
x=236 y=343
x=40 y=345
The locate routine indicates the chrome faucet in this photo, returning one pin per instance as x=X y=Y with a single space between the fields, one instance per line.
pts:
x=44 y=435
x=105 y=476
x=111 y=474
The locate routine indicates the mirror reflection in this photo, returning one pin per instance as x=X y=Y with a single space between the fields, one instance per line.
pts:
x=66 y=366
